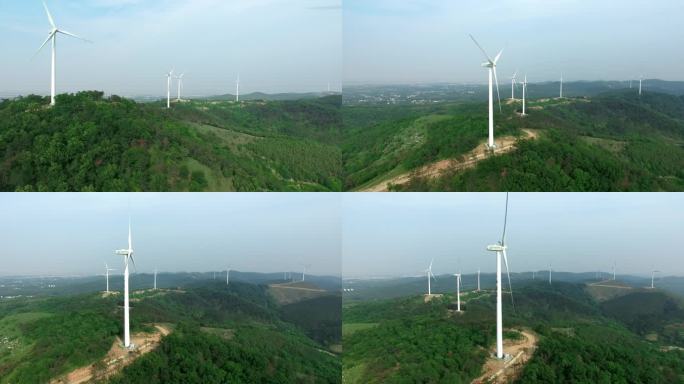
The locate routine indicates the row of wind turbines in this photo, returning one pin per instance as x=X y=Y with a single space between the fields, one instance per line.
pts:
x=491 y=64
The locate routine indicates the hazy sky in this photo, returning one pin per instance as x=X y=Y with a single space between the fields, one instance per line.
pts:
x=76 y=233
x=407 y=41
x=275 y=45
x=398 y=234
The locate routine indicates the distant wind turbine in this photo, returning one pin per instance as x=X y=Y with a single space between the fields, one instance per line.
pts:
x=228 y=276
x=304 y=270
x=155 y=279
x=500 y=250
x=169 y=75
x=561 y=87
x=237 y=89
x=613 y=271
x=180 y=85
x=513 y=82
x=458 y=291
x=52 y=37
x=491 y=65
x=653 y=277
x=107 y=269
x=641 y=79
x=524 y=89
x=128 y=256
x=478 y=279
x=430 y=276
x=550 y=274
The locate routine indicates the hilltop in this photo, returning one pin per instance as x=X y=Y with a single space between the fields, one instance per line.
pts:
x=91 y=143
x=205 y=329
x=615 y=141
x=579 y=339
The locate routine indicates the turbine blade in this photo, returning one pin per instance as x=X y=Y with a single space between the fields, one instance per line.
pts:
x=73 y=35
x=135 y=269
x=430 y=267
x=503 y=236
x=498 y=56
x=481 y=49
x=508 y=273
x=45 y=42
x=52 y=22
x=496 y=80
x=130 y=243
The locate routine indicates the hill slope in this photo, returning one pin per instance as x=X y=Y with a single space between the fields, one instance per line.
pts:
x=87 y=142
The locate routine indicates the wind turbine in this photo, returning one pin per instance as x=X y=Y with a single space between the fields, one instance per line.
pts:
x=304 y=270
x=561 y=86
x=613 y=271
x=429 y=274
x=641 y=79
x=478 y=279
x=524 y=87
x=169 y=75
x=491 y=65
x=550 y=274
x=228 y=276
x=128 y=255
x=534 y=275
x=500 y=250
x=513 y=81
x=155 y=279
x=180 y=85
x=458 y=291
x=52 y=37
x=237 y=89
x=107 y=269
x=653 y=276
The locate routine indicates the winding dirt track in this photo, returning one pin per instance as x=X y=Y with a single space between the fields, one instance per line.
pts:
x=116 y=358
x=498 y=371
x=505 y=144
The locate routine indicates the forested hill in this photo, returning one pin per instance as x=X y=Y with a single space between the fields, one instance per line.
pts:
x=615 y=141
x=580 y=340
x=91 y=143
x=219 y=334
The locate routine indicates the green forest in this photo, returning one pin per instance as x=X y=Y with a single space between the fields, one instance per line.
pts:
x=220 y=334
x=91 y=143
x=406 y=340
x=612 y=142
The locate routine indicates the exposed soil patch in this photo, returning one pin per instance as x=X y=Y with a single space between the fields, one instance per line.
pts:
x=504 y=144
x=506 y=371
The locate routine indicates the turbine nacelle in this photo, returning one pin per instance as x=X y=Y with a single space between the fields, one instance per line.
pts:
x=496 y=248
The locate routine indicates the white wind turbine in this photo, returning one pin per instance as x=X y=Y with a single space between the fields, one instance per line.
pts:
x=550 y=274
x=458 y=291
x=237 y=89
x=169 y=76
x=304 y=270
x=653 y=277
x=613 y=271
x=641 y=79
x=155 y=279
x=491 y=65
x=228 y=276
x=478 y=279
x=500 y=250
x=524 y=89
x=430 y=275
x=513 y=82
x=128 y=255
x=52 y=36
x=180 y=85
x=561 y=87
x=107 y=269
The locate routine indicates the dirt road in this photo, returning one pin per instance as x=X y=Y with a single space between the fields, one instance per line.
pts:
x=504 y=144
x=500 y=371
x=116 y=358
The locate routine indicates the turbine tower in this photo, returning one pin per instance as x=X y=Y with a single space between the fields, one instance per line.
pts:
x=641 y=79
x=52 y=37
x=524 y=87
x=500 y=250
x=478 y=279
x=491 y=65
x=550 y=274
x=430 y=275
x=304 y=270
x=155 y=279
x=237 y=89
x=561 y=86
x=180 y=85
x=653 y=277
x=128 y=255
x=107 y=269
x=513 y=81
x=613 y=271
x=169 y=75
x=458 y=291
x=228 y=276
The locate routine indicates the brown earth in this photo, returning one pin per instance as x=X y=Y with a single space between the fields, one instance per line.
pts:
x=506 y=371
x=504 y=144
x=117 y=358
